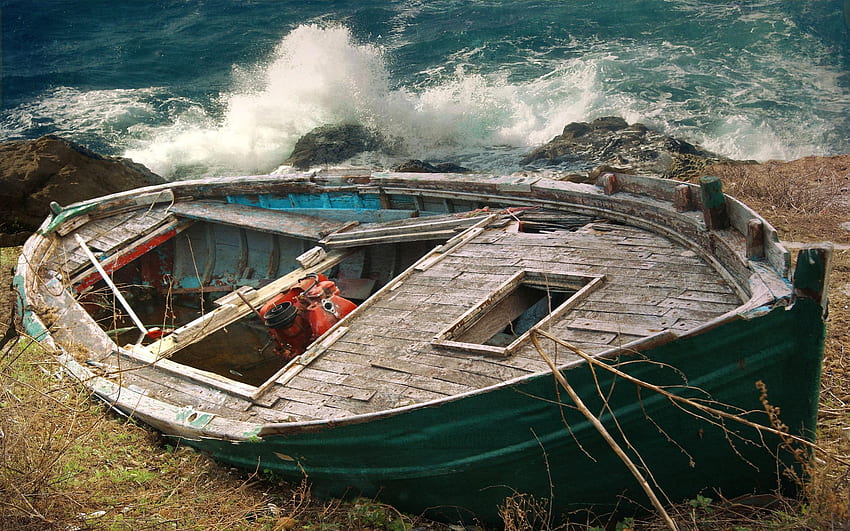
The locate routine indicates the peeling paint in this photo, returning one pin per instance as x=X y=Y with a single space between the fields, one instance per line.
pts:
x=187 y=416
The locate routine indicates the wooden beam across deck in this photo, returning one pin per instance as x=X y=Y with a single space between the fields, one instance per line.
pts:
x=273 y=221
x=411 y=229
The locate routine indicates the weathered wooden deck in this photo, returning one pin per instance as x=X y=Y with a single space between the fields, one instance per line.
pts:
x=386 y=357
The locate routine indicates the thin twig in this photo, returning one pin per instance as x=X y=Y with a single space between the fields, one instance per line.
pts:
x=689 y=402
x=253 y=308
x=605 y=435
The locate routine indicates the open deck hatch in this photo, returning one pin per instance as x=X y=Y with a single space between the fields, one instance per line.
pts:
x=502 y=322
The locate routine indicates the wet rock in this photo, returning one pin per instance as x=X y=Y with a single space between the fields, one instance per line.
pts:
x=596 y=172
x=419 y=166
x=634 y=148
x=35 y=172
x=330 y=144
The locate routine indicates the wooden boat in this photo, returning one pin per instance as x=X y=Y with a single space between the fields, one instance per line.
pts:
x=433 y=394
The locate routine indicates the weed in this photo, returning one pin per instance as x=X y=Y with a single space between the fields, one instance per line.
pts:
x=782 y=189
x=375 y=515
x=522 y=511
x=701 y=503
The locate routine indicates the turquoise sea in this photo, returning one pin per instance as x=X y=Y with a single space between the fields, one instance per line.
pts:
x=226 y=87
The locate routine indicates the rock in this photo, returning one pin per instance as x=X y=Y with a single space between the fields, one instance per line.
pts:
x=330 y=144
x=633 y=148
x=596 y=172
x=419 y=166
x=611 y=123
x=35 y=172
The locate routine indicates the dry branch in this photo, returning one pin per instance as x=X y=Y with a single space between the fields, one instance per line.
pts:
x=676 y=398
x=605 y=435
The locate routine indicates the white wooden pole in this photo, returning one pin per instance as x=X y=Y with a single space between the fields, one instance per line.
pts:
x=112 y=286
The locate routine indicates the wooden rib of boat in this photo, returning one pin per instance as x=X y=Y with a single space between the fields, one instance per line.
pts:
x=433 y=393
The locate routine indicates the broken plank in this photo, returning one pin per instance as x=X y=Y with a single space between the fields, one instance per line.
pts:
x=228 y=313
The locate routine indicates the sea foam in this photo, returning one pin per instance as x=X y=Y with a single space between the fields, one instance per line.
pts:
x=473 y=107
x=321 y=75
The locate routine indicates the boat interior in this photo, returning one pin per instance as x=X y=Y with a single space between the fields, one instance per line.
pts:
x=447 y=292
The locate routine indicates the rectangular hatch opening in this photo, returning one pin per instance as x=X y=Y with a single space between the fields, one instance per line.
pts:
x=503 y=322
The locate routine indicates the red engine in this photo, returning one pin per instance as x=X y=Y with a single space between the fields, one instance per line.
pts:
x=307 y=310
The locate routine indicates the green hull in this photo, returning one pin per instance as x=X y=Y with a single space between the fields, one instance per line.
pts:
x=466 y=456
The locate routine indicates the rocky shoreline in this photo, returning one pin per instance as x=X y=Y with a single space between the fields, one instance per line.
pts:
x=34 y=173
x=607 y=141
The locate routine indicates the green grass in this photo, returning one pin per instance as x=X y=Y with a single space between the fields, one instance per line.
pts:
x=9 y=256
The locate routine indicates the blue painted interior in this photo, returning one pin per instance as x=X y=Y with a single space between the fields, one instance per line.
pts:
x=217 y=255
x=338 y=200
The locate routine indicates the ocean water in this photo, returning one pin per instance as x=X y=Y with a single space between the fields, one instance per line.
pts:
x=226 y=87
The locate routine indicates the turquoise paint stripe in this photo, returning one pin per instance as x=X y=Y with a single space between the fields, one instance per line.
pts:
x=31 y=324
x=330 y=201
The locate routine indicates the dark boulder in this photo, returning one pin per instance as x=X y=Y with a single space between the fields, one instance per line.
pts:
x=419 y=166
x=330 y=144
x=33 y=173
x=613 y=141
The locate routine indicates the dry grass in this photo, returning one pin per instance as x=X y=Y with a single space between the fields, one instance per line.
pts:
x=781 y=189
x=68 y=463
x=806 y=199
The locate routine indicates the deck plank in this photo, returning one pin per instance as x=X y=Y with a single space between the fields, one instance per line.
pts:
x=272 y=221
